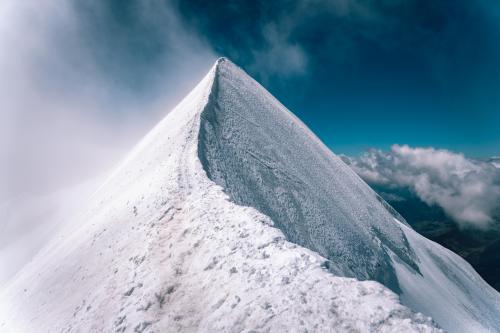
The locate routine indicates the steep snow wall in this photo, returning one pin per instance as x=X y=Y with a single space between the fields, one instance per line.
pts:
x=264 y=157
x=162 y=249
x=448 y=288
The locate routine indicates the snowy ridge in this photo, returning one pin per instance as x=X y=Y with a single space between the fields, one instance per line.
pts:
x=162 y=248
x=264 y=157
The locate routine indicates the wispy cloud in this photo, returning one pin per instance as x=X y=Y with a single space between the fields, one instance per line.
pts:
x=467 y=190
x=71 y=99
x=279 y=55
x=281 y=51
x=80 y=84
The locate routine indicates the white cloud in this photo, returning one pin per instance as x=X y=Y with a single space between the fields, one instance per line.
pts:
x=467 y=190
x=280 y=56
x=63 y=116
x=65 y=119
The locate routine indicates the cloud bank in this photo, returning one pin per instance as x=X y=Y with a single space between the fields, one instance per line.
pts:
x=467 y=190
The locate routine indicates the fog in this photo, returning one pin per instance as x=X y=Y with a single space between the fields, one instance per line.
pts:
x=80 y=85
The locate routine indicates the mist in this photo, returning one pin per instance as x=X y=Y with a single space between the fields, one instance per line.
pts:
x=71 y=102
x=80 y=85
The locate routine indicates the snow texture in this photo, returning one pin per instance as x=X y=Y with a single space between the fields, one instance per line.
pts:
x=448 y=288
x=264 y=157
x=162 y=248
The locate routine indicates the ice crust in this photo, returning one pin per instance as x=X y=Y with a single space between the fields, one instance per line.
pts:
x=162 y=248
x=264 y=157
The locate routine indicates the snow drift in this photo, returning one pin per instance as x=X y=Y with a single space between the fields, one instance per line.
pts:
x=162 y=248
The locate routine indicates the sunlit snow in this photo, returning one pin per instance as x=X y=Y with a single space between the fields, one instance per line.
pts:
x=230 y=215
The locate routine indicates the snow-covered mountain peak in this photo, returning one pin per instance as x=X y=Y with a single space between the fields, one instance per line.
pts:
x=265 y=157
x=222 y=60
x=230 y=215
x=309 y=193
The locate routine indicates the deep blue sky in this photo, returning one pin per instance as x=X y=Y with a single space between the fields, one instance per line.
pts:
x=359 y=73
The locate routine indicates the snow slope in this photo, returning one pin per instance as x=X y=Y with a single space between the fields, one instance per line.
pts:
x=162 y=248
x=264 y=157
x=448 y=288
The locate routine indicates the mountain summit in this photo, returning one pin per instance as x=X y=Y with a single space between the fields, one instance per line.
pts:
x=230 y=215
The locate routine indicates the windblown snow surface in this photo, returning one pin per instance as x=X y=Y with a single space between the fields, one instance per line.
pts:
x=231 y=216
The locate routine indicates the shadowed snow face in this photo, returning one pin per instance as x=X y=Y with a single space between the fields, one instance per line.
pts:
x=266 y=158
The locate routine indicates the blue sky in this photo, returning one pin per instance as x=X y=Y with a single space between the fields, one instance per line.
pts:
x=372 y=73
x=90 y=78
x=361 y=74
